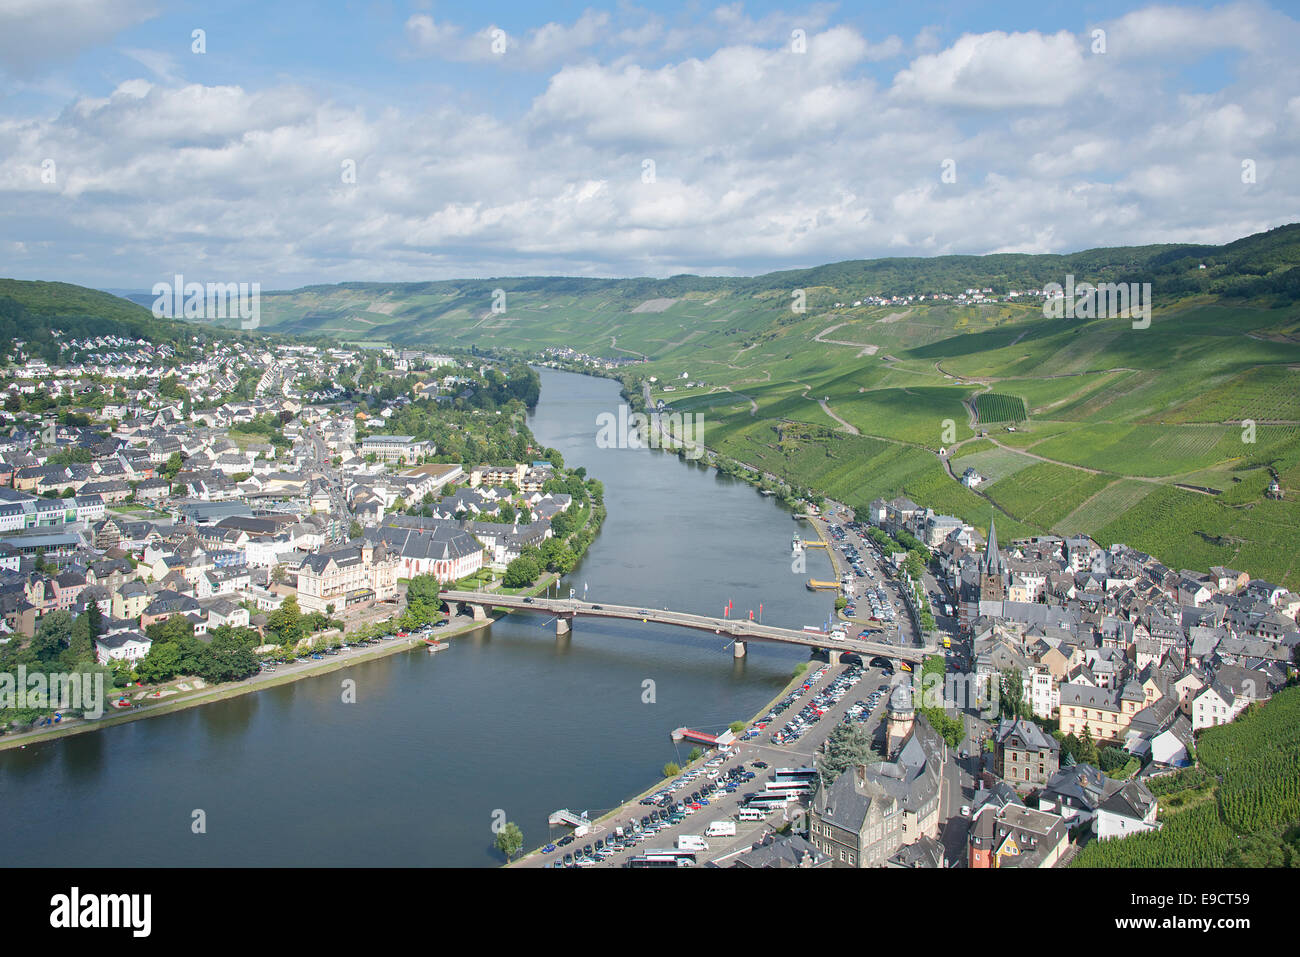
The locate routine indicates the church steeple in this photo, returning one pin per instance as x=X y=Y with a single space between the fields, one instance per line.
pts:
x=992 y=560
x=992 y=570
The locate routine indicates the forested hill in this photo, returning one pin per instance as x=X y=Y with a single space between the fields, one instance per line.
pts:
x=31 y=311
x=585 y=313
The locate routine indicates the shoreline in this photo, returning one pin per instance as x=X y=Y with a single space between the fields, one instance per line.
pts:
x=631 y=804
x=215 y=693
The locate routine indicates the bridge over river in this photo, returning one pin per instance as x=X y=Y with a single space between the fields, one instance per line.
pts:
x=740 y=630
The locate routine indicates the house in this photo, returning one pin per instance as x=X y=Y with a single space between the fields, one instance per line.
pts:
x=1129 y=809
x=1216 y=704
x=129 y=646
x=872 y=811
x=1104 y=712
x=1172 y=747
x=1077 y=794
x=1012 y=835
x=1025 y=756
x=394 y=448
x=439 y=548
x=782 y=851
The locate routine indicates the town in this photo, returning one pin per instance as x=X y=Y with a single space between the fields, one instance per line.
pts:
x=257 y=499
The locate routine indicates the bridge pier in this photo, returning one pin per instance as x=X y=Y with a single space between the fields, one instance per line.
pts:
x=479 y=612
x=833 y=656
x=738 y=649
x=563 y=625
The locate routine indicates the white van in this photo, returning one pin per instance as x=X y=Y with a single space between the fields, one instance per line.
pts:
x=750 y=814
x=691 y=842
x=721 y=829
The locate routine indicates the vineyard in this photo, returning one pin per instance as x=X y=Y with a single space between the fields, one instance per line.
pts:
x=997 y=407
x=1254 y=763
x=1267 y=393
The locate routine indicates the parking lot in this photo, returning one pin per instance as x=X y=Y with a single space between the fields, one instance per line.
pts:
x=716 y=789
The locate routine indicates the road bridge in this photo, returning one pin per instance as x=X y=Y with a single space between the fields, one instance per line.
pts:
x=740 y=630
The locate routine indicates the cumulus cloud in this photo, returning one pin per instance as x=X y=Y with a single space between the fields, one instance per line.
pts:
x=764 y=158
x=997 y=70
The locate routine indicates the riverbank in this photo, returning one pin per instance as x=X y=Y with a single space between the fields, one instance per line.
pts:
x=213 y=693
x=257 y=682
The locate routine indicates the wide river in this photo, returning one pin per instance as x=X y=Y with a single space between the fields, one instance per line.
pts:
x=510 y=721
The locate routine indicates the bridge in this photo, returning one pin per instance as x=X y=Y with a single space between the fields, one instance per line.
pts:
x=740 y=630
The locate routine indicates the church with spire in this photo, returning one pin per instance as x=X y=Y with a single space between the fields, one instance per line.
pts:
x=993 y=570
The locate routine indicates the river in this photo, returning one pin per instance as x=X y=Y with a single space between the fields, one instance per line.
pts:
x=510 y=721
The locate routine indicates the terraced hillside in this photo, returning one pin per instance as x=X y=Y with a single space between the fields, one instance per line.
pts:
x=1162 y=437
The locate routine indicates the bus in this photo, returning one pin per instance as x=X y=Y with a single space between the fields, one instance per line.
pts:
x=656 y=860
x=771 y=800
x=787 y=787
x=794 y=774
x=672 y=853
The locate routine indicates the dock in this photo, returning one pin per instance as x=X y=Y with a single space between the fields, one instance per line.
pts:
x=703 y=737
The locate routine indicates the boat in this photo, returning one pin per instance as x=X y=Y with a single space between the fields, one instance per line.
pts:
x=796 y=546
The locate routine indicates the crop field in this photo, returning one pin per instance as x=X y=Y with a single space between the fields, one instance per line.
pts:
x=1043 y=494
x=914 y=415
x=1104 y=507
x=998 y=407
x=1264 y=394
x=1152 y=450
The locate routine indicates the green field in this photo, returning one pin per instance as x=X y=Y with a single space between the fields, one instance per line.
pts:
x=997 y=407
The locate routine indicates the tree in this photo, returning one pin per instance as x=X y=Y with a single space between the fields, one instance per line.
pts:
x=174 y=464
x=285 y=624
x=1087 y=753
x=694 y=756
x=1011 y=685
x=355 y=530
x=847 y=746
x=521 y=572
x=510 y=840
x=671 y=770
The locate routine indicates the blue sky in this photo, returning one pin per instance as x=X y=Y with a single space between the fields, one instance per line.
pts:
x=128 y=157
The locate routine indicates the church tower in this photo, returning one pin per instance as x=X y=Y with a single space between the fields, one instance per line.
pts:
x=993 y=571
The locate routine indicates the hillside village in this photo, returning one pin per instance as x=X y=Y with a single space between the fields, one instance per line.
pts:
x=217 y=507
x=1099 y=657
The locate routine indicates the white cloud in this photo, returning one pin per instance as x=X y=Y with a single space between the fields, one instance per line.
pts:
x=997 y=70
x=537 y=48
x=764 y=159
x=36 y=34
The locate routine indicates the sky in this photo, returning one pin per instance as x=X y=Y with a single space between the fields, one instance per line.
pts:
x=292 y=143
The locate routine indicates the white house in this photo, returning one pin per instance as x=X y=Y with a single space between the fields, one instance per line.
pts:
x=1130 y=809
x=123 y=646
